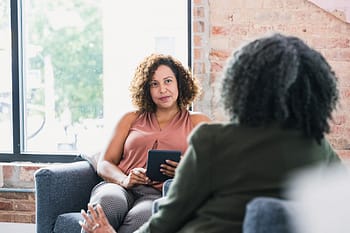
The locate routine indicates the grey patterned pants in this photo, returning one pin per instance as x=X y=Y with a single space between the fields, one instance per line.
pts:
x=126 y=210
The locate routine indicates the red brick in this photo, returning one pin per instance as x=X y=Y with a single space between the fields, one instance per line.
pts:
x=6 y=216
x=217 y=30
x=199 y=68
x=272 y=4
x=199 y=12
x=197 y=41
x=216 y=67
x=198 y=26
x=344 y=55
x=5 y=205
x=17 y=207
x=240 y=29
x=323 y=42
x=292 y=4
x=24 y=206
x=339 y=143
x=15 y=195
x=27 y=173
x=7 y=171
x=344 y=154
x=197 y=54
x=23 y=218
x=339 y=119
x=220 y=55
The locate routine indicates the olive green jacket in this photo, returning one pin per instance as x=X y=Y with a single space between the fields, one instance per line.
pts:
x=225 y=166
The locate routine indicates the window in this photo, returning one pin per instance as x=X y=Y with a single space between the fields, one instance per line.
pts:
x=5 y=85
x=72 y=62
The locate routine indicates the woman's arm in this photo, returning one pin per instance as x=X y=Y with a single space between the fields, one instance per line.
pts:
x=107 y=165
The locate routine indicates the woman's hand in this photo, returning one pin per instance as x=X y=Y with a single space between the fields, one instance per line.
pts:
x=96 y=221
x=135 y=177
x=169 y=168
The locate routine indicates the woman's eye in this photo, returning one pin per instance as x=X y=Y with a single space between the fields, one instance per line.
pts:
x=153 y=84
x=168 y=81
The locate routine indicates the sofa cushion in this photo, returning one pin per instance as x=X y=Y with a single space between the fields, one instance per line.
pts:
x=68 y=222
x=92 y=158
x=269 y=215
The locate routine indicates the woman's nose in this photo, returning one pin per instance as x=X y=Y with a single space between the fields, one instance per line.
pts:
x=162 y=88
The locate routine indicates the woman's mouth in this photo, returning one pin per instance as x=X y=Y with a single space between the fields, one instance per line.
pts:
x=164 y=98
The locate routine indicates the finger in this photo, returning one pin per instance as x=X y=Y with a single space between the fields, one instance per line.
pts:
x=87 y=223
x=140 y=175
x=139 y=179
x=135 y=179
x=140 y=170
x=142 y=181
x=86 y=217
x=135 y=172
x=85 y=227
x=143 y=170
x=101 y=213
x=155 y=182
x=143 y=178
x=168 y=173
x=167 y=168
x=172 y=163
x=92 y=212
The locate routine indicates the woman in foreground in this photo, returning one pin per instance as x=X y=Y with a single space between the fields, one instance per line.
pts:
x=279 y=94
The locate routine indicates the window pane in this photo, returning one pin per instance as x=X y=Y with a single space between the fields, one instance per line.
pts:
x=63 y=72
x=79 y=58
x=6 y=84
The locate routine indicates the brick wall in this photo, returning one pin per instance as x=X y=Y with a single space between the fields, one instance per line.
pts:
x=17 y=206
x=220 y=26
x=17 y=197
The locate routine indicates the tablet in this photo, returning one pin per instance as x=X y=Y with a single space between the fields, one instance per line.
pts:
x=158 y=157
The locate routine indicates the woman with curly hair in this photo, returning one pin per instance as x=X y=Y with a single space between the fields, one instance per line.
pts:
x=162 y=90
x=279 y=94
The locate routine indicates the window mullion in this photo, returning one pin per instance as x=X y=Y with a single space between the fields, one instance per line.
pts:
x=16 y=76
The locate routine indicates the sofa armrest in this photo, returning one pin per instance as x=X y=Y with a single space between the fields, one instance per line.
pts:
x=61 y=189
x=166 y=187
x=269 y=215
x=159 y=201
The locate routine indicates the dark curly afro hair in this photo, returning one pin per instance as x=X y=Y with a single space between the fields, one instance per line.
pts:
x=188 y=86
x=279 y=79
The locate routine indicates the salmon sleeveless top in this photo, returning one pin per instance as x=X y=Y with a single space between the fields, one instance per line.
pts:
x=145 y=134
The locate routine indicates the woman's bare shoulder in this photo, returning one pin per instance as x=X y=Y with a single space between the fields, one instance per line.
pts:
x=199 y=117
x=129 y=117
x=132 y=114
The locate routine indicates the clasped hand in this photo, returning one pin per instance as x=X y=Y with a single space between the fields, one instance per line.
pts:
x=135 y=177
x=138 y=175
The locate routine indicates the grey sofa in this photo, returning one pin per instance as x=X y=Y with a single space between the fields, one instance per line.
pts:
x=269 y=215
x=63 y=190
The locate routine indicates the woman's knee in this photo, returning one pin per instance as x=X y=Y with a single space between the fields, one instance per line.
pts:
x=115 y=201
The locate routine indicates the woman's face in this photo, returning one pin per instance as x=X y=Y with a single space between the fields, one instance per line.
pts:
x=163 y=88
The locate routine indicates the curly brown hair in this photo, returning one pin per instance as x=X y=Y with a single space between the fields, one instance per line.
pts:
x=188 y=85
